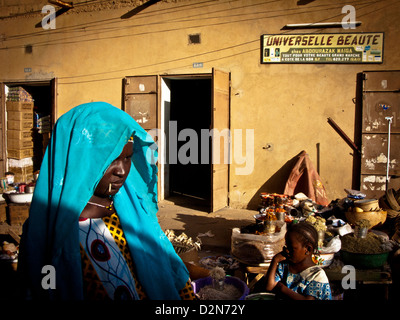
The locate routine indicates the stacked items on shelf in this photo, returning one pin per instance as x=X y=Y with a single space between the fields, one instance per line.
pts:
x=19 y=107
x=18 y=94
x=22 y=169
x=44 y=124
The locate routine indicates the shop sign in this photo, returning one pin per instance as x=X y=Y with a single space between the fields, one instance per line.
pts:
x=323 y=48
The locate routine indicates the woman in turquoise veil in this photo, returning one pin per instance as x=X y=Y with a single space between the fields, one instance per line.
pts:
x=85 y=143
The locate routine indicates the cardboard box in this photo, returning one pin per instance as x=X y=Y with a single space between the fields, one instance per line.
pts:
x=18 y=213
x=19 y=144
x=3 y=211
x=19 y=115
x=20 y=153
x=21 y=170
x=23 y=125
x=19 y=106
x=23 y=178
x=20 y=135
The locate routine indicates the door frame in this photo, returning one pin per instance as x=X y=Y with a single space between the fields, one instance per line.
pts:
x=163 y=185
x=224 y=191
x=52 y=83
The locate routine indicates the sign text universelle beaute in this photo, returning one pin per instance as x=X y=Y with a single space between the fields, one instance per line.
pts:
x=322 y=48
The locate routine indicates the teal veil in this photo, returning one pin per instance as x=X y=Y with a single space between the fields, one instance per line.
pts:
x=84 y=142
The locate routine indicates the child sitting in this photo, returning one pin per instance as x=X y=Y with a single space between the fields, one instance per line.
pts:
x=293 y=273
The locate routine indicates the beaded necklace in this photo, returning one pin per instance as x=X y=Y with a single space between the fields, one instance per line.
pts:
x=110 y=207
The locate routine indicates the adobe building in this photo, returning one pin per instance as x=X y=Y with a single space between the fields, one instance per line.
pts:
x=281 y=77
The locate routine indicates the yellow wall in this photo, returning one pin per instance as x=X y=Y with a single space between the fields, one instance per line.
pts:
x=91 y=51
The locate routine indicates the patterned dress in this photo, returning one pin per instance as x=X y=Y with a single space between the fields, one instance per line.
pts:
x=310 y=282
x=107 y=265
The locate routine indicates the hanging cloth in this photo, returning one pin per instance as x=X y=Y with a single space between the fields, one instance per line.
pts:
x=304 y=178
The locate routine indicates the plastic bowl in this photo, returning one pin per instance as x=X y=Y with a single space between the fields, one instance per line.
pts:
x=326 y=259
x=16 y=197
x=200 y=283
x=364 y=260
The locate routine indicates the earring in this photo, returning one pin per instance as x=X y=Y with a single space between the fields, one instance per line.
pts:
x=109 y=187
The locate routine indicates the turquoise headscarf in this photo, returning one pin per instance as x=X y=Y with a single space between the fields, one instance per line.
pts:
x=84 y=142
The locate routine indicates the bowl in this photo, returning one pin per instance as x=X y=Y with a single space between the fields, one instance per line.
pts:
x=374 y=217
x=367 y=204
x=325 y=259
x=17 y=197
x=261 y=296
x=244 y=289
x=364 y=260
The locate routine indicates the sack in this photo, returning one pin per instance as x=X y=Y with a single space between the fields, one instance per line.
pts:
x=255 y=249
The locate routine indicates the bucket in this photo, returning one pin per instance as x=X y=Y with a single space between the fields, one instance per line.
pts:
x=200 y=283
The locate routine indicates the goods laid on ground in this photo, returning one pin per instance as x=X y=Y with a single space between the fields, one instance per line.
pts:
x=226 y=262
x=346 y=226
x=182 y=243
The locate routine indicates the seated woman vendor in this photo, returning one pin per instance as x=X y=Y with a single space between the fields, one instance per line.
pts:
x=292 y=273
x=93 y=214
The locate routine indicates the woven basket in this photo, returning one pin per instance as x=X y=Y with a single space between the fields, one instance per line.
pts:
x=384 y=204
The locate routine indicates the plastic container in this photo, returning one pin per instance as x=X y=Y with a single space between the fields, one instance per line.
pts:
x=255 y=249
x=363 y=260
x=16 y=197
x=360 y=232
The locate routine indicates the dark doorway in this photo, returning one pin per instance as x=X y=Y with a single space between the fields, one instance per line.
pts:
x=191 y=109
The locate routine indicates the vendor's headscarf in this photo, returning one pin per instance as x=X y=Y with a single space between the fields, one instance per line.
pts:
x=84 y=142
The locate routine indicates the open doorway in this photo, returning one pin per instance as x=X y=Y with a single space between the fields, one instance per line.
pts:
x=186 y=111
x=174 y=108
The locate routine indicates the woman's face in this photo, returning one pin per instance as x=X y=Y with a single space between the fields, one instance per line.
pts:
x=294 y=250
x=116 y=173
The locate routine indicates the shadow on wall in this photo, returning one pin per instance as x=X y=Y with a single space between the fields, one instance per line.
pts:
x=275 y=184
